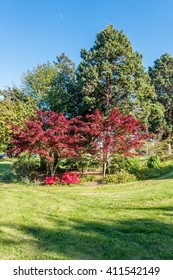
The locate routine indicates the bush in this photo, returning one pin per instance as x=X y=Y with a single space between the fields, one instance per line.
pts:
x=153 y=162
x=88 y=178
x=117 y=163
x=149 y=173
x=160 y=148
x=26 y=167
x=70 y=178
x=83 y=164
x=132 y=165
x=120 y=177
x=51 y=180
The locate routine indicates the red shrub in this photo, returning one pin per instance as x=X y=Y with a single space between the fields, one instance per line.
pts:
x=51 y=180
x=70 y=178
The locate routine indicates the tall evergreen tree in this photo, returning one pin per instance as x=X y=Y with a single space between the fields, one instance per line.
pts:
x=161 y=75
x=64 y=95
x=111 y=75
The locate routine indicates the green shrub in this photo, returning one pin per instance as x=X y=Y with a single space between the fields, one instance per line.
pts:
x=160 y=148
x=148 y=173
x=132 y=165
x=153 y=162
x=26 y=167
x=28 y=182
x=117 y=163
x=83 y=164
x=88 y=178
x=120 y=177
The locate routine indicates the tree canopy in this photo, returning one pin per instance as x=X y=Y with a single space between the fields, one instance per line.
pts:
x=162 y=78
x=53 y=86
x=50 y=135
x=115 y=134
x=14 y=109
x=111 y=75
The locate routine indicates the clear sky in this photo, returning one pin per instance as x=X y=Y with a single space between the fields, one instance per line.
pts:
x=35 y=31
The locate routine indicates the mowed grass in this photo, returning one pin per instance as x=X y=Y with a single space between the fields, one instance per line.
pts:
x=127 y=221
x=117 y=222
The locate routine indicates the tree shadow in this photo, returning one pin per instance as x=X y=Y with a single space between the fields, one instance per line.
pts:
x=167 y=173
x=118 y=240
x=166 y=210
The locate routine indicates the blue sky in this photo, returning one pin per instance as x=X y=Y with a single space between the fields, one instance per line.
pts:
x=35 y=31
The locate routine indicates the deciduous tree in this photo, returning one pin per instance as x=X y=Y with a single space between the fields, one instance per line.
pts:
x=14 y=109
x=53 y=86
x=115 y=134
x=52 y=136
x=37 y=84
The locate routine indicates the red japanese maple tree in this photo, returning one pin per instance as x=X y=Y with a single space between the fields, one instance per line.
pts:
x=115 y=133
x=52 y=136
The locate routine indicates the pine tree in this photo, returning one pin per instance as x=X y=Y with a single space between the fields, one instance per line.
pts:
x=111 y=75
x=162 y=78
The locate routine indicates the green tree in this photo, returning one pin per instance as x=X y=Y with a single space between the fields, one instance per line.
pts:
x=64 y=96
x=37 y=84
x=14 y=108
x=161 y=75
x=111 y=75
x=53 y=86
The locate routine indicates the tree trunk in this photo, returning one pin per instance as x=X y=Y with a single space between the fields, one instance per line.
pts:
x=169 y=148
x=147 y=143
x=108 y=94
x=82 y=170
x=104 y=169
x=147 y=149
x=107 y=168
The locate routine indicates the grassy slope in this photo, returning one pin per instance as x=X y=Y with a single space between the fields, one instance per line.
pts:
x=131 y=221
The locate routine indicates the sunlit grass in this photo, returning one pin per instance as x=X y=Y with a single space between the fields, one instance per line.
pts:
x=127 y=221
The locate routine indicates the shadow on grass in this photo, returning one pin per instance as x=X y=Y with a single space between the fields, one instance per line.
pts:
x=166 y=172
x=4 y=166
x=166 y=210
x=168 y=175
x=128 y=239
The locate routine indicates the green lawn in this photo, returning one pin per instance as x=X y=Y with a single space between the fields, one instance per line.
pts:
x=128 y=221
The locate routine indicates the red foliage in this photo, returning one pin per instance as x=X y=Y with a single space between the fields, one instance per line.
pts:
x=51 y=180
x=50 y=135
x=70 y=178
x=54 y=137
x=116 y=133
